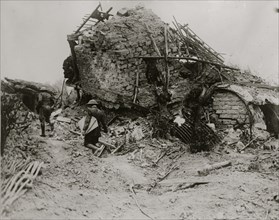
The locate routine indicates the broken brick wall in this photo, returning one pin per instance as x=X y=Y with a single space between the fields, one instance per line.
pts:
x=229 y=109
x=107 y=63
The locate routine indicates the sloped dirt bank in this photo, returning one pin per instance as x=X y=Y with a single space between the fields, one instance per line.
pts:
x=75 y=184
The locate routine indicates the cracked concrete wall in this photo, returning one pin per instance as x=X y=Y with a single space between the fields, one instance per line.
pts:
x=107 y=63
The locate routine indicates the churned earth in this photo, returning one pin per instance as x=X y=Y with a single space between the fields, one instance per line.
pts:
x=157 y=180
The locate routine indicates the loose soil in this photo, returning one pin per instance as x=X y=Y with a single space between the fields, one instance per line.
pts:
x=75 y=184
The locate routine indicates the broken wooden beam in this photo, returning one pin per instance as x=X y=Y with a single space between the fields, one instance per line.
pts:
x=118 y=148
x=188 y=58
x=208 y=168
x=107 y=144
x=182 y=186
x=88 y=18
x=63 y=119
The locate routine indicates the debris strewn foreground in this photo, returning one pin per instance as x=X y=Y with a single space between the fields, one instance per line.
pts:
x=224 y=115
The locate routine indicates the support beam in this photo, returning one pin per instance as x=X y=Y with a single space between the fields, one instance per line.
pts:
x=187 y=58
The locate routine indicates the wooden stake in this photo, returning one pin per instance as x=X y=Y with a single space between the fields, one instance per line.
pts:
x=153 y=41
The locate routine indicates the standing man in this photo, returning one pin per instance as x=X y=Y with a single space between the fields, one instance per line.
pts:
x=45 y=107
x=93 y=132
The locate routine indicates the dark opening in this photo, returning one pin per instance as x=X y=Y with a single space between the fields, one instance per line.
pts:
x=271 y=117
x=30 y=101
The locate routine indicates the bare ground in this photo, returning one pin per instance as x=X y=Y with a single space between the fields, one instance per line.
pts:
x=75 y=184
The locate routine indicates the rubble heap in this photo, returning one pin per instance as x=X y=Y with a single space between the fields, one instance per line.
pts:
x=135 y=58
x=108 y=58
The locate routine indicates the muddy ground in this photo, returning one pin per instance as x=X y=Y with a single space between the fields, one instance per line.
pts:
x=75 y=184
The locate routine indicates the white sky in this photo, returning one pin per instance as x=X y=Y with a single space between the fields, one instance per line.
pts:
x=34 y=33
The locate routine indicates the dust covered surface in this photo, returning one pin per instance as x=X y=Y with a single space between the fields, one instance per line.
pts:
x=160 y=175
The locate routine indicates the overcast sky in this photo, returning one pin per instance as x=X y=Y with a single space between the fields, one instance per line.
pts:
x=34 y=33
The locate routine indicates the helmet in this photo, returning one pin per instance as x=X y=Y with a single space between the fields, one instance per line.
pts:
x=92 y=102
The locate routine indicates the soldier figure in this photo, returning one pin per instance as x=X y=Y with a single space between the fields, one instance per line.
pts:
x=92 y=137
x=45 y=107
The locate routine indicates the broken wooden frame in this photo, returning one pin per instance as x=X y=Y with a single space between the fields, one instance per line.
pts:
x=96 y=14
x=99 y=16
x=194 y=42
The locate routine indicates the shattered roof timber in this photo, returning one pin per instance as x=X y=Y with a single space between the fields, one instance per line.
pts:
x=193 y=42
x=96 y=14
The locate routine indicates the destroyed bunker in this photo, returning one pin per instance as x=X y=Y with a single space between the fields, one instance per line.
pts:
x=135 y=60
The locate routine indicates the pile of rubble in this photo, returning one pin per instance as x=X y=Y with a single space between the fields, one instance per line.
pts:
x=134 y=58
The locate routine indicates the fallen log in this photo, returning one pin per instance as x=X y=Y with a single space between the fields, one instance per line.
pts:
x=208 y=168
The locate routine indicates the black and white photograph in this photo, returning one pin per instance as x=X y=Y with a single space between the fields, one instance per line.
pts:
x=139 y=109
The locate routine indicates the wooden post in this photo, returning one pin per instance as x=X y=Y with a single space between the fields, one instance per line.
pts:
x=74 y=60
x=153 y=41
x=136 y=85
x=166 y=58
x=180 y=32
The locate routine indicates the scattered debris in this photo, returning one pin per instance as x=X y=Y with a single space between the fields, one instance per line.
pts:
x=63 y=119
x=137 y=134
x=154 y=81
x=18 y=184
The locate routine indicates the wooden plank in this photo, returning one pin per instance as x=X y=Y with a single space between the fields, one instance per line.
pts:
x=188 y=58
x=200 y=41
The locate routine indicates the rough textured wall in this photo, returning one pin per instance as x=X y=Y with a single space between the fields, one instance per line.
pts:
x=107 y=63
x=229 y=109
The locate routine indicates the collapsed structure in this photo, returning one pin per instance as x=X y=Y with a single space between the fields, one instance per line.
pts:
x=134 y=58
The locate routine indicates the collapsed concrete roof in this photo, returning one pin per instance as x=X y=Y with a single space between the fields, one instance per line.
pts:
x=118 y=56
